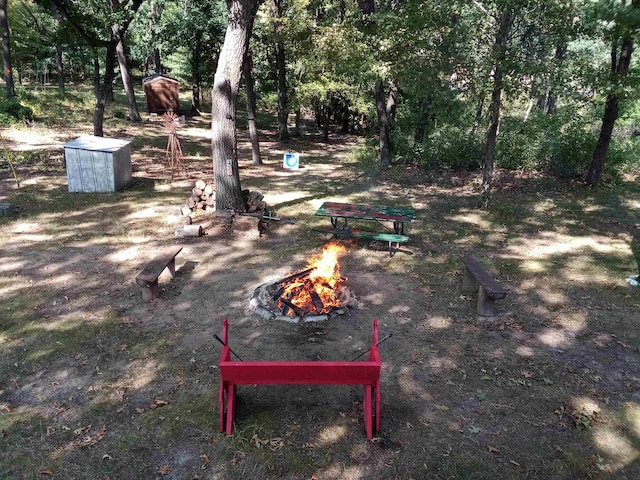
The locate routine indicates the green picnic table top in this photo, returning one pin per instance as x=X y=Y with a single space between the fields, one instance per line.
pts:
x=366 y=212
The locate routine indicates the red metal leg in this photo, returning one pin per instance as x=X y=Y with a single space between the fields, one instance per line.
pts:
x=231 y=407
x=221 y=406
x=378 y=402
x=368 y=415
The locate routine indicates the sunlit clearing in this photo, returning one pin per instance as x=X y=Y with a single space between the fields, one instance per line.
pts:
x=615 y=446
x=554 y=244
x=331 y=435
x=125 y=255
x=35 y=355
x=142 y=373
x=63 y=325
x=544 y=205
x=410 y=387
x=9 y=266
x=400 y=309
x=526 y=352
x=439 y=323
x=554 y=338
x=441 y=364
x=545 y=290
x=32 y=139
x=143 y=213
x=277 y=198
x=194 y=132
x=338 y=472
x=532 y=266
x=473 y=218
x=574 y=322
x=631 y=415
x=377 y=298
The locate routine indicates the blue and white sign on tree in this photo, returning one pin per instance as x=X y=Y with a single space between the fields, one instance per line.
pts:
x=291 y=160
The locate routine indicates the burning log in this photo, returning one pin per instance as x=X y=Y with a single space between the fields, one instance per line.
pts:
x=296 y=309
x=315 y=298
x=293 y=276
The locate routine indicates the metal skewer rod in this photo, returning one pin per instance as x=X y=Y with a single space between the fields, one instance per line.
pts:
x=220 y=340
x=369 y=349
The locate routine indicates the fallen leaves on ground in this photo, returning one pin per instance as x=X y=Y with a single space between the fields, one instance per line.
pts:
x=165 y=469
x=158 y=404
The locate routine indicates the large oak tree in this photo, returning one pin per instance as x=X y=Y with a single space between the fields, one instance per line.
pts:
x=226 y=84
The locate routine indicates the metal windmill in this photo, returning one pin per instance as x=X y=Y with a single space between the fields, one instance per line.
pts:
x=173 y=157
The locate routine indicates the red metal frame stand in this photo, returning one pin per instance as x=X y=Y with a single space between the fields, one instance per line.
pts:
x=234 y=373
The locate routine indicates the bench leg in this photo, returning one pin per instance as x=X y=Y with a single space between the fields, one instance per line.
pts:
x=221 y=395
x=151 y=291
x=486 y=306
x=172 y=267
x=469 y=282
x=368 y=414
x=231 y=407
x=378 y=402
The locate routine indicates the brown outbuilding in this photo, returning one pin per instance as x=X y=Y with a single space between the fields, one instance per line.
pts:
x=161 y=94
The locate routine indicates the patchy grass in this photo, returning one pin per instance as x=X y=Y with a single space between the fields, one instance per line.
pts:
x=98 y=384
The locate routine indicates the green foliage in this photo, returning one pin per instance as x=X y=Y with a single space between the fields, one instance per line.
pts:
x=454 y=146
x=12 y=111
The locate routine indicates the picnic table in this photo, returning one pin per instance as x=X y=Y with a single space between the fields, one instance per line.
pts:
x=351 y=211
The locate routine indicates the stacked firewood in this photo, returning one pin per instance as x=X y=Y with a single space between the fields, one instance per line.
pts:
x=203 y=197
x=254 y=201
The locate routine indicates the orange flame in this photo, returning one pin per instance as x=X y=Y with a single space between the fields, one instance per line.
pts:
x=325 y=280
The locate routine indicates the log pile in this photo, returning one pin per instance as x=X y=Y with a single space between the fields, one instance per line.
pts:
x=254 y=201
x=203 y=197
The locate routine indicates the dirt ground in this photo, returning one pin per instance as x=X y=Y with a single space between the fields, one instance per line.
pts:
x=97 y=383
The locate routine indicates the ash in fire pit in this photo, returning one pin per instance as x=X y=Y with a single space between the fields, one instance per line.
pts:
x=310 y=295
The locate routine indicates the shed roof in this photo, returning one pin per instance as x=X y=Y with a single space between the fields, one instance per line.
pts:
x=158 y=76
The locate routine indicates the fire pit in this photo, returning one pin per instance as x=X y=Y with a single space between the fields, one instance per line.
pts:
x=313 y=294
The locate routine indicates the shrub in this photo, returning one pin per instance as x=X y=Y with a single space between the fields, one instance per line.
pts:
x=12 y=112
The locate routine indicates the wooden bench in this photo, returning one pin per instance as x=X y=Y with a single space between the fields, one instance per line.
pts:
x=234 y=373
x=477 y=279
x=148 y=277
x=390 y=238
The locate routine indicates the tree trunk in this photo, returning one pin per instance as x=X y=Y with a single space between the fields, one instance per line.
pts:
x=326 y=118
x=383 y=125
x=6 y=50
x=103 y=95
x=281 y=73
x=619 y=68
x=125 y=74
x=157 y=63
x=196 y=75
x=499 y=51
x=296 y=131
x=423 y=119
x=247 y=67
x=226 y=83
x=60 y=67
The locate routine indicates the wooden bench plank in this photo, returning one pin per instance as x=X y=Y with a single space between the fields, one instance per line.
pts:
x=477 y=279
x=148 y=277
x=366 y=212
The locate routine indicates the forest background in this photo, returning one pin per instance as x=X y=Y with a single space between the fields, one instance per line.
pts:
x=546 y=86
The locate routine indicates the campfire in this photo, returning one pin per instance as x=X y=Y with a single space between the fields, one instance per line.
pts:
x=310 y=295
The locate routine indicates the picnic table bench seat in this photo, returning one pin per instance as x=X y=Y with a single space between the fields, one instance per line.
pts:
x=390 y=238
